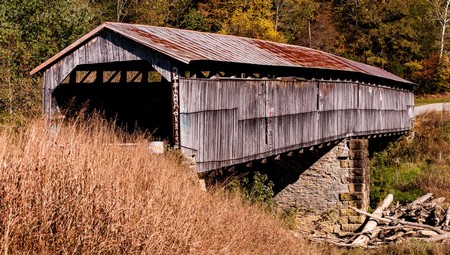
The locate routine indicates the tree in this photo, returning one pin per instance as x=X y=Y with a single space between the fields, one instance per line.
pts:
x=32 y=31
x=216 y=13
x=121 y=9
x=388 y=34
x=252 y=18
x=440 y=8
x=194 y=21
x=161 y=12
x=293 y=19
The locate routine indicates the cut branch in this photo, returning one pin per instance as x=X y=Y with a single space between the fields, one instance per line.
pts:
x=363 y=240
x=439 y=238
x=422 y=199
x=403 y=222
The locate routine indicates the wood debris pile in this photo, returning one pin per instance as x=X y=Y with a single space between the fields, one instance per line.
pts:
x=425 y=218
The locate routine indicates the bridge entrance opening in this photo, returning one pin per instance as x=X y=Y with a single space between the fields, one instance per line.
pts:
x=135 y=98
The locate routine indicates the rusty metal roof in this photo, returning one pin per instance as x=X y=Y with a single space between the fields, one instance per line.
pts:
x=187 y=46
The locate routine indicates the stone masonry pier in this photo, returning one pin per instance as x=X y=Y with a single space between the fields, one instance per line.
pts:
x=338 y=178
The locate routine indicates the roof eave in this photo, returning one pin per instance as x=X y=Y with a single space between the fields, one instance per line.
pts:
x=68 y=49
x=89 y=36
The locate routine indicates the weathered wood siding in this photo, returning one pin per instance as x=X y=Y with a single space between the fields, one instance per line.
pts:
x=104 y=48
x=226 y=122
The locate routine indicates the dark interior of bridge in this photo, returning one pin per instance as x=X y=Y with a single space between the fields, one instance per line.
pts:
x=133 y=105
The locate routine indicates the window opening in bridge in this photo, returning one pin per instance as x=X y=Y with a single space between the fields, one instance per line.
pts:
x=205 y=73
x=135 y=76
x=154 y=76
x=111 y=76
x=86 y=77
x=67 y=80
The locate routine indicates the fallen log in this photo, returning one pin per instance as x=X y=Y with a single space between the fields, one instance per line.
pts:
x=420 y=225
x=428 y=233
x=403 y=222
x=424 y=219
x=394 y=237
x=447 y=217
x=363 y=240
x=439 y=238
x=436 y=201
x=422 y=199
x=373 y=216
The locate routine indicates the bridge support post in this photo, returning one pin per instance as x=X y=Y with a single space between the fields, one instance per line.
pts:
x=339 y=178
x=358 y=183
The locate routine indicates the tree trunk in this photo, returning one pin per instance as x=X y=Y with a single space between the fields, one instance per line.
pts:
x=444 y=23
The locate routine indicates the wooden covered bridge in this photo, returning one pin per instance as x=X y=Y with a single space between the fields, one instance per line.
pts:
x=222 y=99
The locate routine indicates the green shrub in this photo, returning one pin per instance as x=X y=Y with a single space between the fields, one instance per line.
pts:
x=255 y=188
x=399 y=179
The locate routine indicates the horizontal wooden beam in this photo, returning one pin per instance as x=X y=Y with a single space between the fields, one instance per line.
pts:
x=137 y=66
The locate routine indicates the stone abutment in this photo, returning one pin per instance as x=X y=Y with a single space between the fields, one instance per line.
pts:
x=338 y=178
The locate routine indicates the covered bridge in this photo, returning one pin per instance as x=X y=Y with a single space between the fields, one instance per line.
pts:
x=224 y=100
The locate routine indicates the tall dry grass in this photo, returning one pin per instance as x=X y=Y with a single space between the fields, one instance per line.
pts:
x=72 y=192
x=408 y=247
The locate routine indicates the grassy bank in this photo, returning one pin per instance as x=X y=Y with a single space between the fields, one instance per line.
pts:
x=74 y=191
x=432 y=98
x=415 y=165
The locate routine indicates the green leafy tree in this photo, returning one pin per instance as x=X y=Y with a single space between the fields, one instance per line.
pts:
x=293 y=18
x=388 y=34
x=194 y=21
x=255 y=188
x=32 y=31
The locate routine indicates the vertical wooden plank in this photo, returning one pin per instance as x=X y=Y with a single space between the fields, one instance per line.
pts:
x=104 y=58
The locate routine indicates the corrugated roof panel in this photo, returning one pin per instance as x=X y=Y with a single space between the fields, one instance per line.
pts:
x=375 y=71
x=187 y=46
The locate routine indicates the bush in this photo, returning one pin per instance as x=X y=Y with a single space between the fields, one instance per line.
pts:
x=255 y=188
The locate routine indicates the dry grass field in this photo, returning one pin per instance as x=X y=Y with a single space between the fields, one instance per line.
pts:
x=75 y=192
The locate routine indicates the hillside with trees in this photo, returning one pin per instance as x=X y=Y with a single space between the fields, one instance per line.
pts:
x=405 y=37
